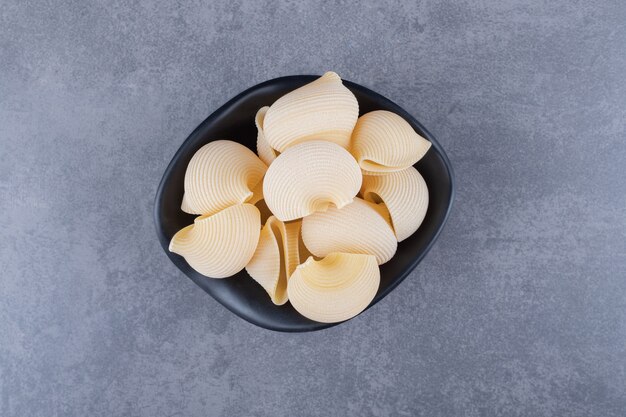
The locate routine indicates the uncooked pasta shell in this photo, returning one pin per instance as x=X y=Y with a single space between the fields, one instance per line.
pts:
x=221 y=244
x=405 y=195
x=382 y=210
x=275 y=258
x=323 y=109
x=334 y=289
x=184 y=206
x=355 y=228
x=263 y=148
x=384 y=142
x=309 y=177
x=222 y=173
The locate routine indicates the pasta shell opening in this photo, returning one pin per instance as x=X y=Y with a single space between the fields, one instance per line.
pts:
x=405 y=194
x=265 y=211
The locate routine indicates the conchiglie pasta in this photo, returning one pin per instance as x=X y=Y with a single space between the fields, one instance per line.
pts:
x=334 y=289
x=184 y=206
x=275 y=258
x=383 y=142
x=406 y=196
x=263 y=148
x=221 y=244
x=309 y=177
x=381 y=209
x=355 y=228
x=220 y=174
x=323 y=109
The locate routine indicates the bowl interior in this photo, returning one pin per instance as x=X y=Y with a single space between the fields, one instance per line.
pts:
x=235 y=121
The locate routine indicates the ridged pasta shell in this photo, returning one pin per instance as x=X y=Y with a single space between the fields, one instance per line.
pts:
x=221 y=244
x=334 y=289
x=309 y=177
x=355 y=228
x=276 y=257
x=384 y=142
x=405 y=194
x=222 y=173
x=323 y=109
x=184 y=206
x=381 y=209
x=263 y=148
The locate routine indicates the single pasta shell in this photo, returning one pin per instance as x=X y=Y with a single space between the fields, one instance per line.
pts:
x=335 y=288
x=355 y=228
x=263 y=148
x=404 y=193
x=323 y=109
x=309 y=177
x=222 y=173
x=275 y=258
x=220 y=245
x=384 y=142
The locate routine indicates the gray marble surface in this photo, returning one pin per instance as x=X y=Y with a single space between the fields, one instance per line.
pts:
x=519 y=309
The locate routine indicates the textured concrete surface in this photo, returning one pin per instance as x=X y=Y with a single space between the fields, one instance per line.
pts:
x=519 y=310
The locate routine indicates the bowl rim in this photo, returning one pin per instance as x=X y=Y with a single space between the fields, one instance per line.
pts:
x=353 y=87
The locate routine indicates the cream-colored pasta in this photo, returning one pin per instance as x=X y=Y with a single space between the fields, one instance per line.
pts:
x=291 y=241
x=382 y=210
x=220 y=174
x=355 y=228
x=257 y=194
x=309 y=177
x=265 y=266
x=275 y=258
x=184 y=206
x=336 y=288
x=384 y=142
x=303 y=252
x=263 y=148
x=406 y=196
x=221 y=244
x=323 y=109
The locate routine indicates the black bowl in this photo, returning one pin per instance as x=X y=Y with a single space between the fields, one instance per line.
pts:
x=235 y=121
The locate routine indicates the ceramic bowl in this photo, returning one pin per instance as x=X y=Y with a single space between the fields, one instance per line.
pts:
x=235 y=121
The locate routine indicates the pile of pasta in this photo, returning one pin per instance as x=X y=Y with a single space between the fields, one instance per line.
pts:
x=312 y=217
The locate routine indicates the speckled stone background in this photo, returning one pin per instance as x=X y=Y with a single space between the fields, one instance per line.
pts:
x=519 y=309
